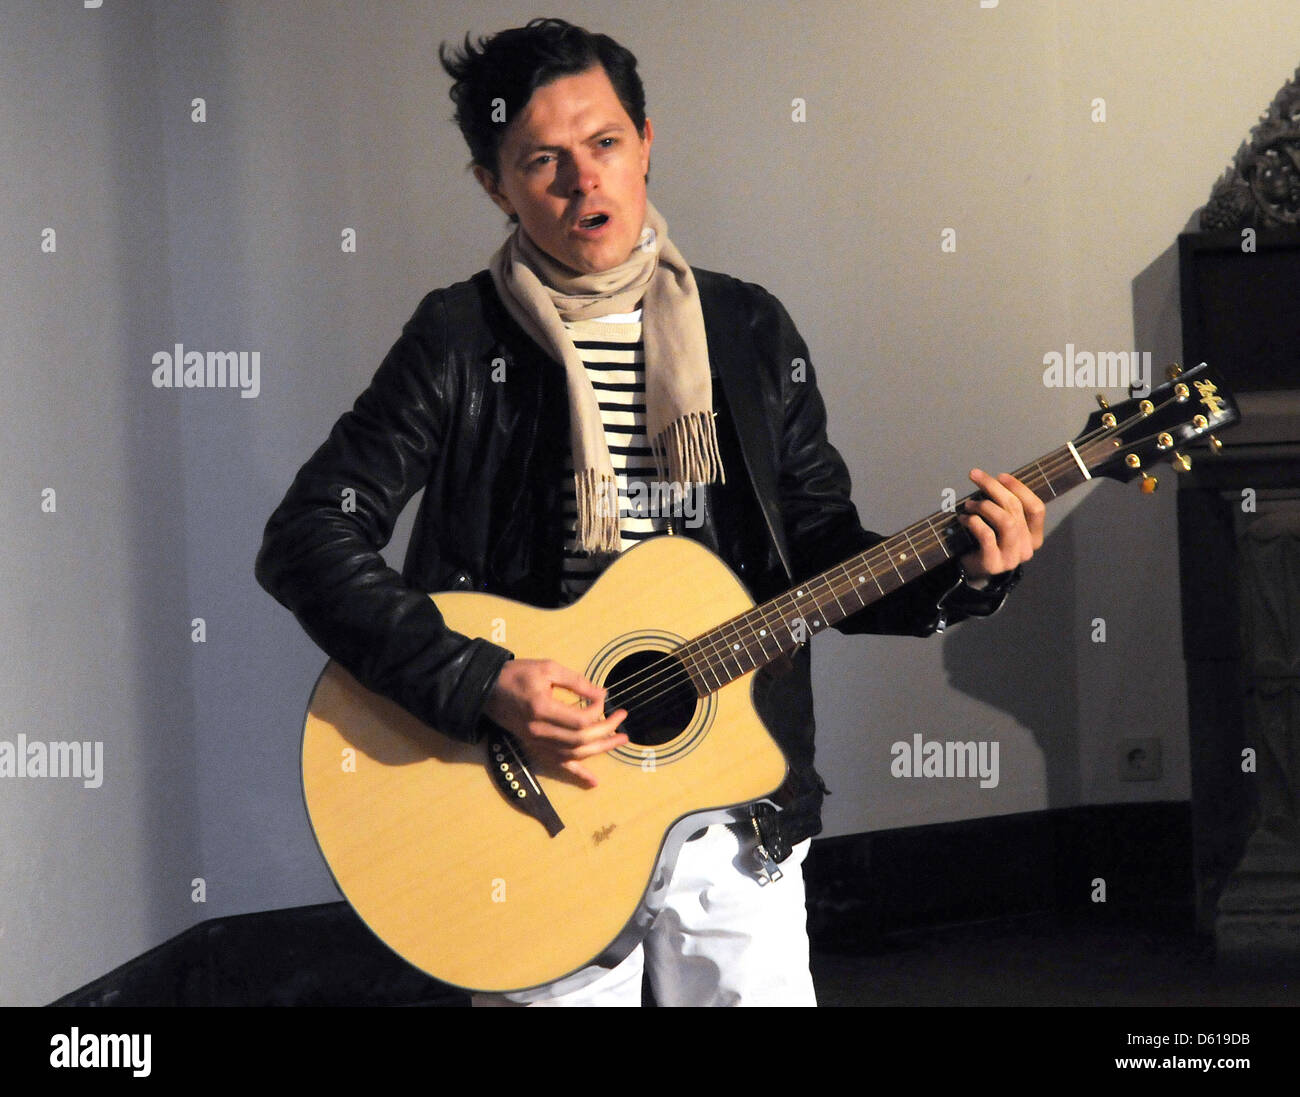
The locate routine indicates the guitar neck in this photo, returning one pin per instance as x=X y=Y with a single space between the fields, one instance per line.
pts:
x=779 y=625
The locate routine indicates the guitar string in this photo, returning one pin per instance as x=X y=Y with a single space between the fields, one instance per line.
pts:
x=708 y=655
x=713 y=653
x=873 y=557
x=632 y=691
x=925 y=531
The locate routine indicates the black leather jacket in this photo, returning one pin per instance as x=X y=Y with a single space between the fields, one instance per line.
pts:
x=489 y=456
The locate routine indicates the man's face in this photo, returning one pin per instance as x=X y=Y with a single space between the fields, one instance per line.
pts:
x=573 y=154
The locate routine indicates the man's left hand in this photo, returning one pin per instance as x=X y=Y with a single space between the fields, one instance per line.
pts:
x=1007 y=525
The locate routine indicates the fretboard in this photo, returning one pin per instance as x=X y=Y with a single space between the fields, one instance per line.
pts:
x=781 y=624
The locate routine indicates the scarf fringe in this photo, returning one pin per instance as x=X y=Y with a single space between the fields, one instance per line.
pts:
x=598 y=527
x=686 y=450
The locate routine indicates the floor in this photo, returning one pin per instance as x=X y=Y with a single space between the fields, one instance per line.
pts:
x=1044 y=961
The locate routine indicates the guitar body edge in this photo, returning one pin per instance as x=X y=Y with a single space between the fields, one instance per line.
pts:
x=447 y=870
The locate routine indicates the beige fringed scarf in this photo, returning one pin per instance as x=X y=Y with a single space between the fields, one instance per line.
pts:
x=541 y=293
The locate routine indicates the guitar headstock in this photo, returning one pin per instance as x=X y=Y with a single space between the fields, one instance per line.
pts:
x=1123 y=440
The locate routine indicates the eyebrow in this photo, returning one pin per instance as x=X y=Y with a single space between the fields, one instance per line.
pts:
x=603 y=131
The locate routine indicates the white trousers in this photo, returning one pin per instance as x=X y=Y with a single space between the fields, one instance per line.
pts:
x=722 y=938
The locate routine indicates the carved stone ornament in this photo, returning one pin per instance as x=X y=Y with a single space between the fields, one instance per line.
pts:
x=1261 y=187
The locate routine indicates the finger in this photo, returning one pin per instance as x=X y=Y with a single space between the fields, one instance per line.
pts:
x=997 y=492
x=599 y=746
x=985 y=559
x=1028 y=500
x=1035 y=510
x=565 y=737
x=599 y=733
x=585 y=777
x=564 y=717
x=571 y=762
x=1019 y=537
x=560 y=675
x=1001 y=520
x=985 y=538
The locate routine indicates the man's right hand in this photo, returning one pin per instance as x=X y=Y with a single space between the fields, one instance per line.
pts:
x=550 y=730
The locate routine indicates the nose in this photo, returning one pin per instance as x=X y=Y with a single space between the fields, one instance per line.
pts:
x=583 y=174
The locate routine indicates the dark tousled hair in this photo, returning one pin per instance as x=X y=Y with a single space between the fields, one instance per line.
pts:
x=513 y=64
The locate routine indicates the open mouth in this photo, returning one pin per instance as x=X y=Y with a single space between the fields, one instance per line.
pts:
x=592 y=220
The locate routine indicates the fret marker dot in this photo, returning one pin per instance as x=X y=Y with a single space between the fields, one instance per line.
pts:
x=902 y=556
x=762 y=632
x=735 y=647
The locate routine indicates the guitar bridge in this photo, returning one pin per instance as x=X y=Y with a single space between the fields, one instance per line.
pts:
x=515 y=781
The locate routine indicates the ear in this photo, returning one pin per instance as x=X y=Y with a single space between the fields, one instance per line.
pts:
x=645 y=147
x=489 y=183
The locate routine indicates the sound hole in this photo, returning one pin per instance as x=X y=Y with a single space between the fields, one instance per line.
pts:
x=657 y=693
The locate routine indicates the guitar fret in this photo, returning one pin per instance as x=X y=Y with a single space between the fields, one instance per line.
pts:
x=1046 y=479
x=736 y=650
x=800 y=616
x=843 y=611
x=717 y=684
x=816 y=625
x=890 y=556
x=911 y=544
x=938 y=537
x=854 y=582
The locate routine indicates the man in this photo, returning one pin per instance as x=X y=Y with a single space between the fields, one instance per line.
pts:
x=592 y=358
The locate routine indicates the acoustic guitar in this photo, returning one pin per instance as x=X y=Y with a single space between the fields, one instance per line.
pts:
x=492 y=876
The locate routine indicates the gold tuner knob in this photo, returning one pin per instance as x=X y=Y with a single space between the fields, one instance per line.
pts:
x=1173 y=370
x=1216 y=447
x=1149 y=484
x=1102 y=401
x=1182 y=462
x=1132 y=460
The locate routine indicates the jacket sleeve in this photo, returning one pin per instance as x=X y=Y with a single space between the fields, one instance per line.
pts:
x=320 y=551
x=821 y=523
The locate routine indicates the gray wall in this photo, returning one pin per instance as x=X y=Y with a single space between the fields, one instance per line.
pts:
x=225 y=235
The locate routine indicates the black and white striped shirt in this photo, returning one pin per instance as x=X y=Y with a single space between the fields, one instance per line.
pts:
x=612 y=351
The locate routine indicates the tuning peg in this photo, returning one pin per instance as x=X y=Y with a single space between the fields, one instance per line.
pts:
x=1149 y=484
x=1102 y=401
x=1182 y=462
x=1173 y=370
x=1216 y=447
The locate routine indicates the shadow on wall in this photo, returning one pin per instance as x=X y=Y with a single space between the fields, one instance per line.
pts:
x=1023 y=662
x=1157 y=306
